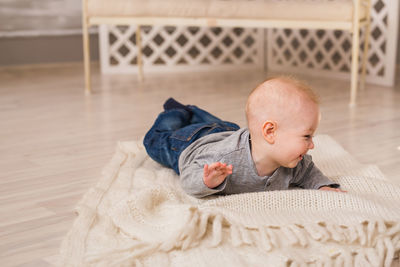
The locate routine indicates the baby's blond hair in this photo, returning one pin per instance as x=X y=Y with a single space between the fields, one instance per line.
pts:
x=276 y=91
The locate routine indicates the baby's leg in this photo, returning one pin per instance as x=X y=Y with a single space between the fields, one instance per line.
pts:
x=176 y=128
x=157 y=141
x=200 y=115
x=172 y=120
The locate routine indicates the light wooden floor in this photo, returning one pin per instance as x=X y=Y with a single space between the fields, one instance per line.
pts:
x=54 y=140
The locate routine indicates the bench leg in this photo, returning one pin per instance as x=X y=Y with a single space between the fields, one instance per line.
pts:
x=86 y=49
x=139 y=53
x=366 y=47
x=86 y=60
x=354 y=65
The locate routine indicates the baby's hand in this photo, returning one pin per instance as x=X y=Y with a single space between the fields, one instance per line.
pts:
x=216 y=173
x=327 y=188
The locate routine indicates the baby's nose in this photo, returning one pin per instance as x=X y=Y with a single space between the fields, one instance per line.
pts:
x=311 y=145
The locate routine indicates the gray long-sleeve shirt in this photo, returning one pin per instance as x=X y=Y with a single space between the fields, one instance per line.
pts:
x=234 y=148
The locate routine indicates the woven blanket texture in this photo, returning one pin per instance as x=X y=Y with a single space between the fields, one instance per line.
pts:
x=138 y=215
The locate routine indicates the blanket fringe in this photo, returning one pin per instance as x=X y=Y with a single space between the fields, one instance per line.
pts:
x=370 y=243
x=374 y=242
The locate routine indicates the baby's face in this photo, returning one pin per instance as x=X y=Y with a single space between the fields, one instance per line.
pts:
x=294 y=139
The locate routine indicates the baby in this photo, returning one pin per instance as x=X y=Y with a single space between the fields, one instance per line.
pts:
x=217 y=157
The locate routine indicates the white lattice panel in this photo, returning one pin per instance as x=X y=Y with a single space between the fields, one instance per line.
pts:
x=329 y=52
x=183 y=48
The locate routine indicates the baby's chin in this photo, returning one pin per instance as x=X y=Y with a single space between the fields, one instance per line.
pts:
x=294 y=163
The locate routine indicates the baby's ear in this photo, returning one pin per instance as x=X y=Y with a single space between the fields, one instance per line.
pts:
x=269 y=131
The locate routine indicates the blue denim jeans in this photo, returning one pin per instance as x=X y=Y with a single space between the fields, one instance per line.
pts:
x=175 y=129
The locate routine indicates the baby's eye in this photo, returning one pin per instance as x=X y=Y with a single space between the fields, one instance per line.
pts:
x=308 y=136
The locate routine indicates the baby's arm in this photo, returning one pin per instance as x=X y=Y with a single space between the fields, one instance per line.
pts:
x=216 y=173
x=193 y=182
x=308 y=176
x=327 y=188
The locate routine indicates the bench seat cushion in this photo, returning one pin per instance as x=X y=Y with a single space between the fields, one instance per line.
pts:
x=331 y=10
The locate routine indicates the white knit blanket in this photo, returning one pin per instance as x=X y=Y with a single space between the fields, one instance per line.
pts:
x=137 y=215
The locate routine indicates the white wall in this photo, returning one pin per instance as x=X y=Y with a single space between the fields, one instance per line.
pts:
x=39 y=17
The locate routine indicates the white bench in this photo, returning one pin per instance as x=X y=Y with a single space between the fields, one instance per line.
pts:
x=348 y=15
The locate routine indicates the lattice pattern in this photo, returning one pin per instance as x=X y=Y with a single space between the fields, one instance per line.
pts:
x=329 y=52
x=187 y=48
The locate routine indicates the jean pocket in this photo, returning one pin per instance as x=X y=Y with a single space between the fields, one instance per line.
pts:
x=189 y=132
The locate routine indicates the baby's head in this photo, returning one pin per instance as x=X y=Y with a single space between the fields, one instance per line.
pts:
x=282 y=115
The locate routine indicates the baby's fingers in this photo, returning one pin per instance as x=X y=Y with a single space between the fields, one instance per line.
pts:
x=206 y=170
x=215 y=165
x=228 y=169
